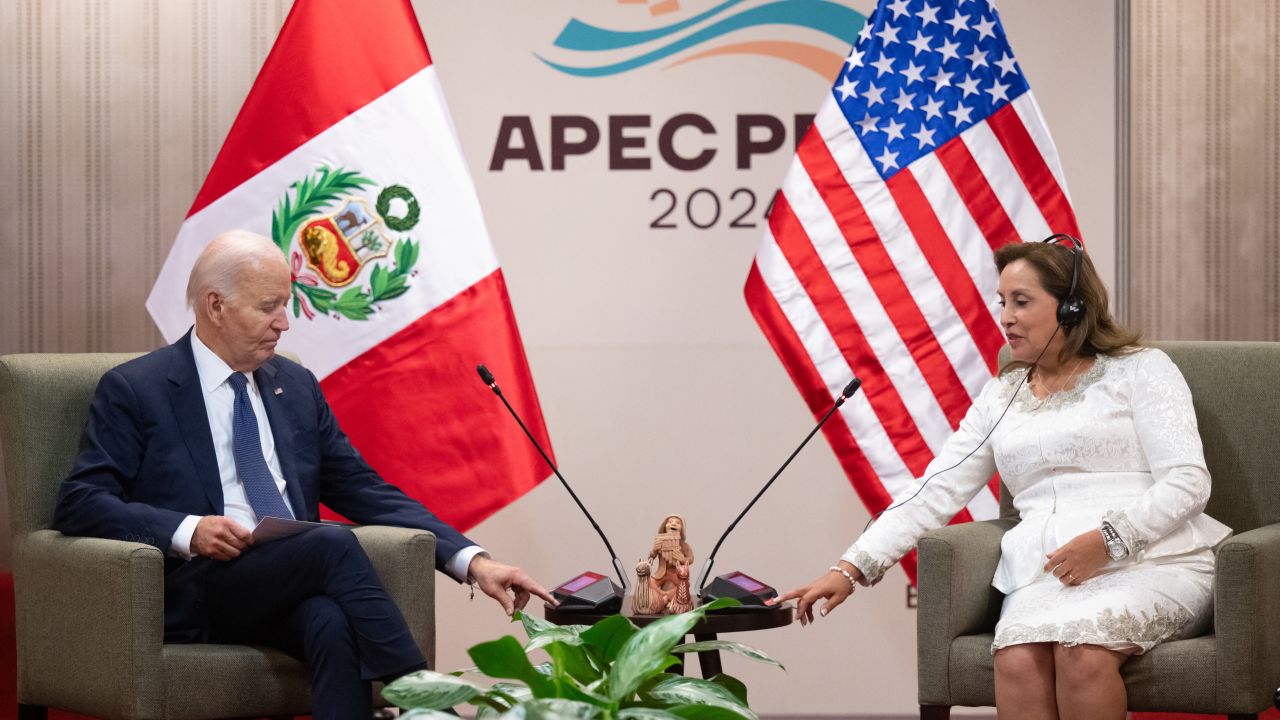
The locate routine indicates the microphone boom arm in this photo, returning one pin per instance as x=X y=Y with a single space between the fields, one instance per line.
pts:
x=705 y=572
x=487 y=377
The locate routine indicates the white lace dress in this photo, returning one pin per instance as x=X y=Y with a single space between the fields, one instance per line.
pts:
x=1122 y=445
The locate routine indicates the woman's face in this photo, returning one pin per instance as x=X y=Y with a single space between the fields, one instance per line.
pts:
x=674 y=524
x=1029 y=314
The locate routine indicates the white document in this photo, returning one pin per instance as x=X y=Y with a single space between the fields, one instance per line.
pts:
x=274 y=528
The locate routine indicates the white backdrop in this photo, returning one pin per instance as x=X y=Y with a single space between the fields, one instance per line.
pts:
x=660 y=393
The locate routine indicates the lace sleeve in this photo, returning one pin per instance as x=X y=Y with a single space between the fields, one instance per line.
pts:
x=1166 y=425
x=918 y=509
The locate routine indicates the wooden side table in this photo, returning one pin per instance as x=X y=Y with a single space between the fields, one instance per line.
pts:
x=730 y=620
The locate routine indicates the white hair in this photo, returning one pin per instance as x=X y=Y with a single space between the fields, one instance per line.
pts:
x=224 y=261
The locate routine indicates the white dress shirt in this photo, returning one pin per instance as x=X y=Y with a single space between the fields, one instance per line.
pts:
x=219 y=405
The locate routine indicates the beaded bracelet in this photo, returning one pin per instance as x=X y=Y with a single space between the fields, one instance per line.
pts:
x=853 y=584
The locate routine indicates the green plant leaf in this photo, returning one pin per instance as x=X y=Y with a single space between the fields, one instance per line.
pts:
x=511 y=692
x=553 y=709
x=574 y=661
x=645 y=653
x=704 y=712
x=645 y=713
x=546 y=637
x=720 y=604
x=729 y=646
x=421 y=714
x=607 y=636
x=505 y=658
x=430 y=690
x=679 y=691
x=732 y=684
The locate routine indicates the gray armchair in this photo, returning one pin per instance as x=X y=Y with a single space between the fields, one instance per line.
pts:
x=1236 y=669
x=90 y=612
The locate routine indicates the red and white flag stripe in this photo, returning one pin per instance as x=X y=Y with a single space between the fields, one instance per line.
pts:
x=892 y=280
x=396 y=361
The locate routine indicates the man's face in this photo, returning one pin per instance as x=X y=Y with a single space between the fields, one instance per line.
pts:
x=250 y=322
x=674 y=525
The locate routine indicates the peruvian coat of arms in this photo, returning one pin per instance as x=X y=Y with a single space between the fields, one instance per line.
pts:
x=346 y=257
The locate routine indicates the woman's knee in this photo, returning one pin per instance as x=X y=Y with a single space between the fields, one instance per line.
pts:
x=1023 y=663
x=1084 y=666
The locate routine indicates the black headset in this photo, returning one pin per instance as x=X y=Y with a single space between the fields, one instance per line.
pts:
x=1071 y=307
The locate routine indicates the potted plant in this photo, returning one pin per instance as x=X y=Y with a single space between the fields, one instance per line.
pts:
x=611 y=671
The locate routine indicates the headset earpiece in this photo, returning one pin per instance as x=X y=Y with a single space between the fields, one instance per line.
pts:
x=1071 y=308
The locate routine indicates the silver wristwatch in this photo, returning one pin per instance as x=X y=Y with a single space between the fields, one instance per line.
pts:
x=1115 y=546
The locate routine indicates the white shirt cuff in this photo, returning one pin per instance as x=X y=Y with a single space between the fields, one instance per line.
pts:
x=180 y=543
x=460 y=563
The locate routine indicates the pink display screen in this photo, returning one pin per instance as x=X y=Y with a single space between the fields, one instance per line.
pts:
x=746 y=583
x=580 y=582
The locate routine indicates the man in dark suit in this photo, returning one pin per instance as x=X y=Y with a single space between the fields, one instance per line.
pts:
x=188 y=447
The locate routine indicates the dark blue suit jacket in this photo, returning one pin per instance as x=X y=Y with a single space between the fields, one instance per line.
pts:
x=147 y=461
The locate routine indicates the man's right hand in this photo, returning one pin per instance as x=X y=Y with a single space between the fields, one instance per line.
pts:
x=219 y=537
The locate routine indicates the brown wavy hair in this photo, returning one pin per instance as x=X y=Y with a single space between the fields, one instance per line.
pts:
x=1097 y=333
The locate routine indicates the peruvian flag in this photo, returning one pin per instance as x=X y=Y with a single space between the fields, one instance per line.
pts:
x=344 y=155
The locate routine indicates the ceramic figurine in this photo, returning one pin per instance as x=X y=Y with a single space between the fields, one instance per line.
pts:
x=681 y=600
x=670 y=551
x=642 y=601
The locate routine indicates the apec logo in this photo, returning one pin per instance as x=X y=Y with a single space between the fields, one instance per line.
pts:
x=586 y=50
x=686 y=141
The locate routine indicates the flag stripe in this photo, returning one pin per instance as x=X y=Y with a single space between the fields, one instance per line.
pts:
x=795 y=358
x=1029 y=112
x=976 y=194
x=466 y=427
x=346 y=108
x=1034 y=171
x=883 y=277
x=833 y=371
x=880 y=250
x=947 y=266
x=808 y=267
x=913 y=269
x=374 y=49
x=1005 y=183
x=960 y=226
x=882 y=337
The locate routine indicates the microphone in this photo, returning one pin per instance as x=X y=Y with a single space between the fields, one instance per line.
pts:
x=587 y=591
x=752 y=592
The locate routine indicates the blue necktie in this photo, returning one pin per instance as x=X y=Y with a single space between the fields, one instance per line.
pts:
x=259 y=486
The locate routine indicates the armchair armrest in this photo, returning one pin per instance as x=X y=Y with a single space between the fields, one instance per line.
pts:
x=405 y=560
x=92 y=609
x=954 y=571
x=1246 y=598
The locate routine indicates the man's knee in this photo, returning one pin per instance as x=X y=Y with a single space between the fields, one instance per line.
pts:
x=324 y=626
x=331 y=543
x=336 y=537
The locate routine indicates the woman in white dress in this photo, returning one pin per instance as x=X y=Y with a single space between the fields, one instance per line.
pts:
x=1095 y=438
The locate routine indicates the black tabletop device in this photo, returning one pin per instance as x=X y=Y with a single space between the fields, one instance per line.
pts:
x=589 y=592
x=741 y=587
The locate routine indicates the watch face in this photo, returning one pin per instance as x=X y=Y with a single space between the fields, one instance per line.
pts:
x=1116 y=550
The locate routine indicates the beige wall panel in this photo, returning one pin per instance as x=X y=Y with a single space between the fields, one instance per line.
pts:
x=1205 y=262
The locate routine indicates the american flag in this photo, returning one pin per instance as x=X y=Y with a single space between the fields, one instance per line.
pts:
x=929 y=154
